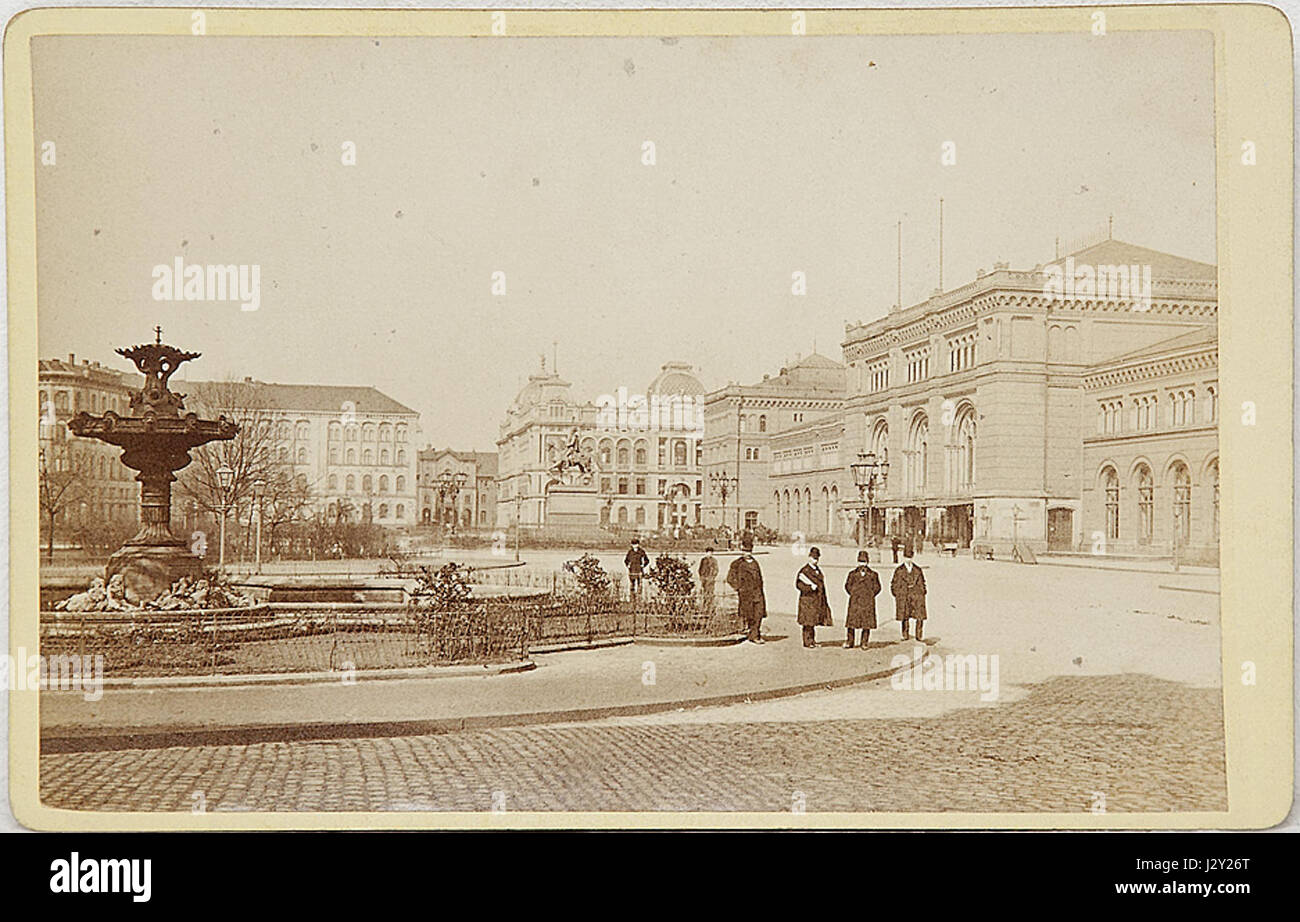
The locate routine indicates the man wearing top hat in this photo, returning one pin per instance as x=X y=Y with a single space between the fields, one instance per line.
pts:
x=745 y=576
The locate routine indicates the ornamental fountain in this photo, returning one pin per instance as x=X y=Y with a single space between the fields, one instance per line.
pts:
x=156 y=440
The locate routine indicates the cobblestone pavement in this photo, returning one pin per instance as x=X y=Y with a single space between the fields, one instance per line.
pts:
x=1146 y=744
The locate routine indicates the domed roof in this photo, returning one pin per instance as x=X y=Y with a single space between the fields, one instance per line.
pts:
x=676 y=379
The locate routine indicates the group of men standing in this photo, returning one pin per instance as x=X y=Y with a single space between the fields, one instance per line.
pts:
x=745 y=576
x=862 y=585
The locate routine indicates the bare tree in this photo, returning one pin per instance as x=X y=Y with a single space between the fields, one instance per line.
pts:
x=252 y=456
x=64 y=475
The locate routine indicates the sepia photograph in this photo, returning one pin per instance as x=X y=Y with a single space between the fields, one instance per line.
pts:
x=663 y=424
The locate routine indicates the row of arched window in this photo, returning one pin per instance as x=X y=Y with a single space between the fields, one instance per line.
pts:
x=1143 y=413
x=626 y=454
x=812 y=512
x=1142 y=485
x=959 y=452
x=367 y=483
x=367 y=432
x=367 y=456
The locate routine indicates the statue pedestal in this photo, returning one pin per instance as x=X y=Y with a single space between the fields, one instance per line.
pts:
x=149 y=570
x=572 y=507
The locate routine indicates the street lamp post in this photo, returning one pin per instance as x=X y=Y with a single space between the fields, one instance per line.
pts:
x=519 y=498
x=258 y=487
x=225 y=477
x=723 y=484
x=868 y=474
x=449 y=486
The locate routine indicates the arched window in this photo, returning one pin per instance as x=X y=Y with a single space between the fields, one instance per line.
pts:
x=963 y=449
x=1182 y=508
x=762 y=424
x=333 y=481
x=606 y=453
x=351 y=433
x=352 y=456
x=334 y=456
x=1212 y=403
x=385 y=433
x=401 y=456
x=1213 y=476
x=383 y=510
x=642 y=455
x=303 y=429
x=1110 y=484
x=401 y=433
x=1146 y=504
x=640 y=515
x=302 y=456
x=624 y=454
x=383 y=456
x=401 y=484
x=367 y=433
x=367 y=484
x=401 y=511
x=368 y=456
x=622 y=515
x=679 y=453
x=383 y=483
x=335 y=432
x=918 y=454
x=351 y=482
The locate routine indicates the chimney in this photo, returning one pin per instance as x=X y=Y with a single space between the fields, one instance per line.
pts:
x=248 y=379
x=72 y=359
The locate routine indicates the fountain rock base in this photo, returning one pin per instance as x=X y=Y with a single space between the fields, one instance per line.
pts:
x=150 y=570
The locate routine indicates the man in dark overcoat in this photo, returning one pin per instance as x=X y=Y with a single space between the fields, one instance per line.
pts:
x=814 y=610
x=745 y=576
x=636 y=562
x=908 y=588
x=708 y=578
x=862 y=585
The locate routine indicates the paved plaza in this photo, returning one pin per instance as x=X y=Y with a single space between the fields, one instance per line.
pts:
x=1108 y=684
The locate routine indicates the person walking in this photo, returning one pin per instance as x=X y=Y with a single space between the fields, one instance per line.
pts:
x=746 y=577
x=814 y=610
x=862 y=585
x=895 y=545
x=908 y=588
x=708 y=578
x=636 y=561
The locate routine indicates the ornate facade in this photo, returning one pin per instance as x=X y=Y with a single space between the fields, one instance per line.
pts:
x=740 y=423
x=646 y=448
x=1151 y=463
x=106 y=490
x=474 y=505
x=977 y=395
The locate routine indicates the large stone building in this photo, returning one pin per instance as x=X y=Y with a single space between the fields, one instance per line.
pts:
x=473 y=505
x=1151 y=461
x=103 y=490
x=808 y=478
x=977 y=395
x=740 y=422
x=352 y=447
x=646 y=448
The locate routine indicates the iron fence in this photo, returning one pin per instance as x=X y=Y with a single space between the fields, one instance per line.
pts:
x=318 y=637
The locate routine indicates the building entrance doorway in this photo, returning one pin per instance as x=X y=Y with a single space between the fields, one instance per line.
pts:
x=959 y=524
x=1060 y=529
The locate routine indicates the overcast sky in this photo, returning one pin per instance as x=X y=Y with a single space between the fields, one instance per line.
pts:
x=524 y=156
